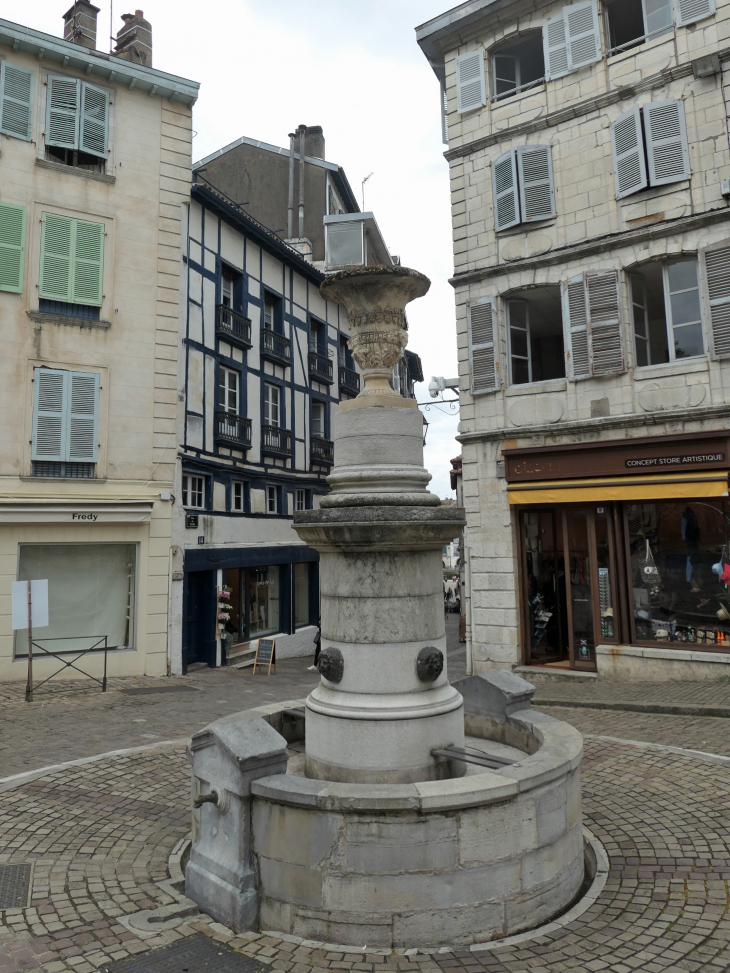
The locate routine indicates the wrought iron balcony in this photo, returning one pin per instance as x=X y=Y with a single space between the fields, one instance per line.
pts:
x=233 y=430
x=322 y=451
x=320 y=368
x=232 y=326
x=349 y=380
x=275 y=347
x=275 y=441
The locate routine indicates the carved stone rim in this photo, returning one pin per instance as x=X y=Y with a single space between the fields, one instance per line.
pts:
x=375 y=270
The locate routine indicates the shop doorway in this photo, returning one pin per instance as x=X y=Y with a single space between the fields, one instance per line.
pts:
x=199 y=612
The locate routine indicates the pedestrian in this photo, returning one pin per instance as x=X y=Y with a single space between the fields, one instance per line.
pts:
x=317 y=646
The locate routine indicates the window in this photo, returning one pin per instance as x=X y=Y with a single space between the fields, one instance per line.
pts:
x=471 y=91
x=632 y=22
x=65 y=422
x=317 y=337
x=272 y=499
x=264 y=600
x=239 y=496
x=193 y=491
x=480 y=323
x=16 y=101
x=226 y=290
x=301 y=595
x=91 y=594
x=301 y=499
x=592 y=316
x=228 y=390
x=522 y=182
x=72 y=260
x=716 y=261
x=12 y=247
x=665 y=304
x=535 y=328
x=77 y=123
x=270 y=307
x=318 y=422
x=649 y=147
x=271 y=404
x=517 y=67
x=572 y=39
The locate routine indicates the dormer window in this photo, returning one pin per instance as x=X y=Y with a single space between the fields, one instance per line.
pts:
x=517 y=67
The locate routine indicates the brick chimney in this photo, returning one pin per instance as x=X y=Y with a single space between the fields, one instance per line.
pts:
x=79 y=24
x=314 y=142
x=134 y=40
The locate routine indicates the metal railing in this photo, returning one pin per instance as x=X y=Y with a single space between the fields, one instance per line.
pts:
x=320 y=367
x=232 y=429
x=100 y=645
x=232 y=326
x=349 y=380
x=275 y=347
x=322 y=451
x=275 y=441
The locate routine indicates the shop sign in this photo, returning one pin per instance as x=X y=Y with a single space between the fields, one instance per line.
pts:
x=675 y=460
x=78 y=516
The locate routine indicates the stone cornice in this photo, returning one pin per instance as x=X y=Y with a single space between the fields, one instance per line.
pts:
x=589 y=427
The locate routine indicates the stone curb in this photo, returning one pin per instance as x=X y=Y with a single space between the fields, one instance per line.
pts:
x=668 y=709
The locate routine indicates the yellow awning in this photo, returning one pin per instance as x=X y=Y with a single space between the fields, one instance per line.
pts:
x=646 y=487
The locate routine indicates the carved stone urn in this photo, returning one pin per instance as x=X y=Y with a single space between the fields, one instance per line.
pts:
x=375 y=300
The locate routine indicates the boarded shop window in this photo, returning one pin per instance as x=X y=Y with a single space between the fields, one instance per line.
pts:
x=666 y=312
x=535 y=328
x=517 y=67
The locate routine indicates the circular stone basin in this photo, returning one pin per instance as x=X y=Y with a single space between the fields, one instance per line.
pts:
x=455 y=861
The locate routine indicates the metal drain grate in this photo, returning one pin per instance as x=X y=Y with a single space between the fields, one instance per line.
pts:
x=146 y=690
x=197 y=954
x=15 y=886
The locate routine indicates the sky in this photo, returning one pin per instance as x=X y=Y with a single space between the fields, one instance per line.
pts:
x=353 y=67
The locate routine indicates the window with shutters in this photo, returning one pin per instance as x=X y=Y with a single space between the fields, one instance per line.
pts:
x=12 y=247
x=572 y=39
x=77 y=124
x=193 y=491
x=517 y=66
x=666 y=311
x=65 y=422
x=592 y=325
x=72 y=261
x=633 y=22
x=535 y=335
x=471 y=88
x=483 y=359
x=716 y=264
x=523 y=186
x=16 y=101
x=649 y=147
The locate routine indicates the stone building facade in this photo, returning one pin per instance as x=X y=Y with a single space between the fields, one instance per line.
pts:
x=588 y=146
x=95 y=158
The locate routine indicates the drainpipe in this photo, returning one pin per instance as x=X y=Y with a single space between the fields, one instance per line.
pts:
x=302 y=133
x=290 y=206
x=467 y=610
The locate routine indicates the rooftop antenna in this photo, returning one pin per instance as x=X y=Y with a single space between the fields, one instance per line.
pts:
x=362 y=187
x=111 y=26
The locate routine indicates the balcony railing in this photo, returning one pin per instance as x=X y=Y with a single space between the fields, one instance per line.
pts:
x=233 y=430
x=232 y=326
x=275 y=347
x=320 y=368
x=322 y=451
x=275 y=441
x=349 y=380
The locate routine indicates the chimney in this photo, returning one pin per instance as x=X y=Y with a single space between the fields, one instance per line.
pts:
x=314 y=142
x=79 y=24
x=134 y=40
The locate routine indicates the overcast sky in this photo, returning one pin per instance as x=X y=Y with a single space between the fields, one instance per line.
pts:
x=351 y=66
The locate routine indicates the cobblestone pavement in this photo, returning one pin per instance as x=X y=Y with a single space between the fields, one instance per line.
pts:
x=709 y=692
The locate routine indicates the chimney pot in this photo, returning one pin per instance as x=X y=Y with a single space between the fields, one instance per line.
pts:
x=134 y=40
x=139 y=13
x=79 y=24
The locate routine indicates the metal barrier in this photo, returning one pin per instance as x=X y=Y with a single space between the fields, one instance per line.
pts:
x=98 y=646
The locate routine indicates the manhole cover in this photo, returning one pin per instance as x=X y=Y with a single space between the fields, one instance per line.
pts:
x=197 y=954
x=15 y=886
x=146 y=690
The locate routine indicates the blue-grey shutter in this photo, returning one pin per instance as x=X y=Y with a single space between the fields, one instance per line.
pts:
x=582 y=34
x=471 y=90
x=667 y=151
x=94 y=120
x=444 y=115
x=16 y=101
x=688 y=11
x=627 y=149
x=555 y=46
x=50 y=397
x=605 y=323
x=716 y=262
x=575 y=326
x=504 y=188
x=62 y=113
x=482 y=345
x=537 y=193
x=83 y=416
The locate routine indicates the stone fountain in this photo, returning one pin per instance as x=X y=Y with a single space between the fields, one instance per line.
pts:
x=408 y=819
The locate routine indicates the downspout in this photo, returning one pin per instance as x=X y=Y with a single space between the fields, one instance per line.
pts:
x=290 y=206
x=302 y=133
x=467 y=607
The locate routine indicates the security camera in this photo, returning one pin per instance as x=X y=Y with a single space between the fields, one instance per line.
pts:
x=439 y=384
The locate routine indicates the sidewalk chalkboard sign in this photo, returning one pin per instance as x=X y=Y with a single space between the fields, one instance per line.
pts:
x=265 y=655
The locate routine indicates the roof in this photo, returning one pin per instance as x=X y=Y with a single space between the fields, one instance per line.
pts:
x=106 y=67
x=337 y=172
x=431 y=35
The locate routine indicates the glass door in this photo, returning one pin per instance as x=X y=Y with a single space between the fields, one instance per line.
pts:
x=543 y=573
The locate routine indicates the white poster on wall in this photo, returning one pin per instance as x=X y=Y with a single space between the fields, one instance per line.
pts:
x=39 y=603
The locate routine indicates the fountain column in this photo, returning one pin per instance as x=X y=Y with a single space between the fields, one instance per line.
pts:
x=384 y=702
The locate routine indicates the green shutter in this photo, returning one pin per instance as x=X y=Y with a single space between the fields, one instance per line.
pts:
x=88 y=262
x=94 y=120
x=16 y=101
x=12 y=247
x=56 y=257
x=50 y=414
x=83 y=417
x=62 y=114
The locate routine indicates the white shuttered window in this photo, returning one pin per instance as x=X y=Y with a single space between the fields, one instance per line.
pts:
x=688 y=11
x=593 y=327
x=16 y=101
x=65 y=415
x=77 y=116
x=523 y=187
x=627 y=145
x=471 y=89
x=649 y=146
x=716 y=262
x=572 y=39
x=482 y=346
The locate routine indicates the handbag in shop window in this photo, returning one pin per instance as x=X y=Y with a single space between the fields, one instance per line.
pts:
x=649 y=571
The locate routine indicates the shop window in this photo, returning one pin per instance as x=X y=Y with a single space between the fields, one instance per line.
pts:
x=264 y=601
x=535 y=336
x=677 y=552
x=193 y=492
x=301 y=595
x=91 y=594
x=228 y=383
x=517 y=67
x=666 y=311
x=234 y=626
